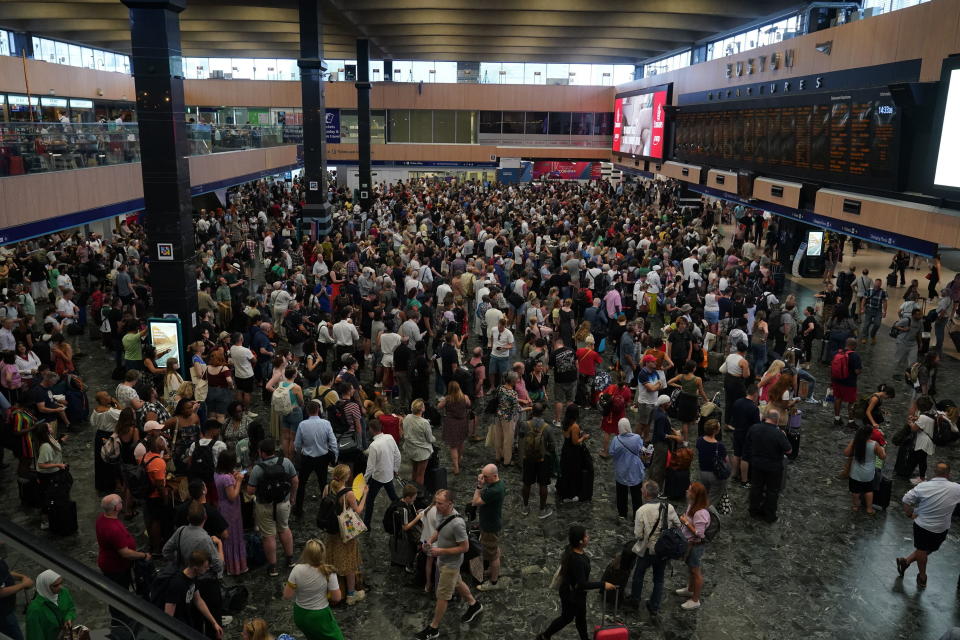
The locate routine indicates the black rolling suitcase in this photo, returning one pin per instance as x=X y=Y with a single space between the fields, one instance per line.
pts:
x=881 y=497
x=793 y=437
x=104 y=473
x=62 y=515
x=903 y=468
x=675 y=483
x=28 y=488
x=435 y=477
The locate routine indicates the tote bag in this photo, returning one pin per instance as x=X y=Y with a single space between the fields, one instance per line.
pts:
x=351 y=524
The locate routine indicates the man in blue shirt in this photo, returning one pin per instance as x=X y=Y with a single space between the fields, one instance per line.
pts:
x=317 y=445
x=262 y=348
x=930 y=505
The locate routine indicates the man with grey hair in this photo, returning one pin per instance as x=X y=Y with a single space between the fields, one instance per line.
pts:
x=764 y=449
x=651 y=520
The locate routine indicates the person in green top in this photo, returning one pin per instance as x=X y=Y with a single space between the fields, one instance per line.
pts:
x=52 y=274
x=132 y=353
x=51 y=611
x=489 y=499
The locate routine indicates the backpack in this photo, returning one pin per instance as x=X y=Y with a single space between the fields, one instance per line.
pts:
x=337 y=416
x=274 y=485
x=600 y=284
x=713 y=527
x=329 y=510
x=617 y=404
x=943 y=433
x=605 y=404
x=137 y=478
x=533 y=441
x=671 y=544
x=280 y=401
x=913 y=373
x=860 y=406
x=202 y=464
x=840 y=365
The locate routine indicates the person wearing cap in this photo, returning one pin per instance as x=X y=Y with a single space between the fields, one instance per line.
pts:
x=224 y=299
x=661 y=434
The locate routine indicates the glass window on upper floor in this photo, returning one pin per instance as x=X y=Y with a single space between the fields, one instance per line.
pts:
x=559 y=123
x=535 y=123
x=886 y=6
x=76 y=57
x=558 y=74
x=423 y=71
x=109 y=61
x=376 y=70
x=287 y=70
x=62 y=52
x=534 y=73
x=444 y=126
x=582 y=124
x=6 y=43
x=421 y=126
x=489 y=122
x=622 y=73
x=89 y=61
x=220 y=67
x=402 y=71
x=601 y=75
x=512 y=122
x=466 y=132
x=446 y=72
x=242 y=68
x=579 y=74
x=398 y=125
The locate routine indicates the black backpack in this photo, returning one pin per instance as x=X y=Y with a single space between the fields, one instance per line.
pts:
x=274 y=485
x=337 y=415
x=329 y=510
x=202 y=464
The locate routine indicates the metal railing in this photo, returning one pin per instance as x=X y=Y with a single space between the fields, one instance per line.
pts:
x=38 y=147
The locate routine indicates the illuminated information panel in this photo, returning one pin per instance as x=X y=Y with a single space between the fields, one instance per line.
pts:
x=849 y=137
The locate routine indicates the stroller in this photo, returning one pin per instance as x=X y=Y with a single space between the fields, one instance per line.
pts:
x=710 y=411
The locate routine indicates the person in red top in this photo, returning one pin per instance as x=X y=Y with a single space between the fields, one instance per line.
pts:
x=157 y=513
x=621 y=395
x=118 y=549
x=587 y=361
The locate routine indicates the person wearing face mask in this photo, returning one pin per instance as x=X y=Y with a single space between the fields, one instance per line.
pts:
x=51 y=612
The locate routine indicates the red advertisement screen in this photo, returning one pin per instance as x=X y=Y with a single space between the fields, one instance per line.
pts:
x=638 y=124
x=563 y=170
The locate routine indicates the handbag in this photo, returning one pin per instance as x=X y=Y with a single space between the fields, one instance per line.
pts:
x=105 y=326
x=725 y=506
x=721 y=468
x=201 y=388
x=351 y=524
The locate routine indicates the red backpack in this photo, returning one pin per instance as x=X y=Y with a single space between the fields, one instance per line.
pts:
x=840 y=365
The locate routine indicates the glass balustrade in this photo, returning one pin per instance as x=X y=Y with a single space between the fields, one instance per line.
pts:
x=36 y=147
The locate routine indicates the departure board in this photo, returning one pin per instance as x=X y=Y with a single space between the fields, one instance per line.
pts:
x=846 y=138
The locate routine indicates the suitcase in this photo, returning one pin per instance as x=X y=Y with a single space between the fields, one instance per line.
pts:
x=104 y=473
x=881 y=497
x=401 y=547
x=28 y=488
x=902 y=468
x=676 y=482
x=793 y=437
x=434 y=480
x=62 y=515
x=586 y=479
x=892 y=279
x=610 y=630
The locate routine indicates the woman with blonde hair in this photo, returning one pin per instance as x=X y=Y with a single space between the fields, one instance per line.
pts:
x=417 y=440
x=171 y=381
x=583 y=331
x=311 y=586
x=345 y=556
x=769 y=378
x=184 y=392
x=456 y=422
x=255 y=629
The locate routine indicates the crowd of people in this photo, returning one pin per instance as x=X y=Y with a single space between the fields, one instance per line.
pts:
x=448 y=313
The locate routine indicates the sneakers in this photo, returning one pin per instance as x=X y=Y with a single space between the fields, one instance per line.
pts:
x=545 y=513
x=745 y=485
x=525 y=510
x=486 y=585
x=556 y=423
x=226 y=621
x=252 y=414
x=290 y=562
x=690 y=605
x=837 y=421
x=427 y=634
x=683 y=591
x=915 y=481
x=272 y=571
x=812 y=400
x=360 y=595
x=472 y=612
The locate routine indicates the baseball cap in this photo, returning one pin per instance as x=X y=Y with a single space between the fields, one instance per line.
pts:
x=236 y=266
x=662 y=400
x=649 y=358
x=152 y=425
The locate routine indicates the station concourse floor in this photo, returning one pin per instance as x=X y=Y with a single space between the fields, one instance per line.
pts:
x=821 y=572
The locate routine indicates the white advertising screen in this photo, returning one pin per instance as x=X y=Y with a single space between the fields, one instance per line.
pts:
x=948 y=166
x=165 y=336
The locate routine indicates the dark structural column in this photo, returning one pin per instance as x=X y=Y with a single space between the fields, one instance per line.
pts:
x=387 y=70
x=316 y=208
x=158 y=78
x=363 y=121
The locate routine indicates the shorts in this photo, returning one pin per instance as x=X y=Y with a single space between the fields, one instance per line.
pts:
x=860 y=487
x=536 y=472
x=843 y=393
x=565 y=391
x=292 y=420
x=491 y=545
x=695 y=555
x=644 y=413
x=924 y=540
x=218 y=398
x=447 y=582
x=739 y=439
x=245 y=384
x=268 y=521
x=712 y=317
x=499 y=365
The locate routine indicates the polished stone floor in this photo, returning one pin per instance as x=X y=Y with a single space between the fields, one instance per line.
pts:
x=820 y=572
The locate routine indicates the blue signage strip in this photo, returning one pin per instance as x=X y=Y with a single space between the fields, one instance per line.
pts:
x=333 y=126
x=870 y=234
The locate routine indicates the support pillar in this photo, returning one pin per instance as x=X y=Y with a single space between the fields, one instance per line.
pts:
x=158 y=78
x=316 y=205
x=363 y=122
x=388 y=70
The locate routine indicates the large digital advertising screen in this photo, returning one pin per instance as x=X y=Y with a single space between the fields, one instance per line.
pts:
x=166 y=336
x=639 y=122
x=946 y=137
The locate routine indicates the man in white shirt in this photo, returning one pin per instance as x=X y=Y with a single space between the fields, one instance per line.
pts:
x=501 y=345
x=930 y=505
x=280 y=301
x=442 y=291
x=688 y=263
x=66 y=309
x=243 y=361
x=488 y=246
x=383 y=465
x=648 y=525
x=345 y=337
x=410 y=329
x=491 y=318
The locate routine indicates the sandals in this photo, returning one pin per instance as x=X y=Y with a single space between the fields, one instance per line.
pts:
x=902 y=566
x=921 y=582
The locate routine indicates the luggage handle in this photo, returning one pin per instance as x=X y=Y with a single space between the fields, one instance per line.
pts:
x=603 y=603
